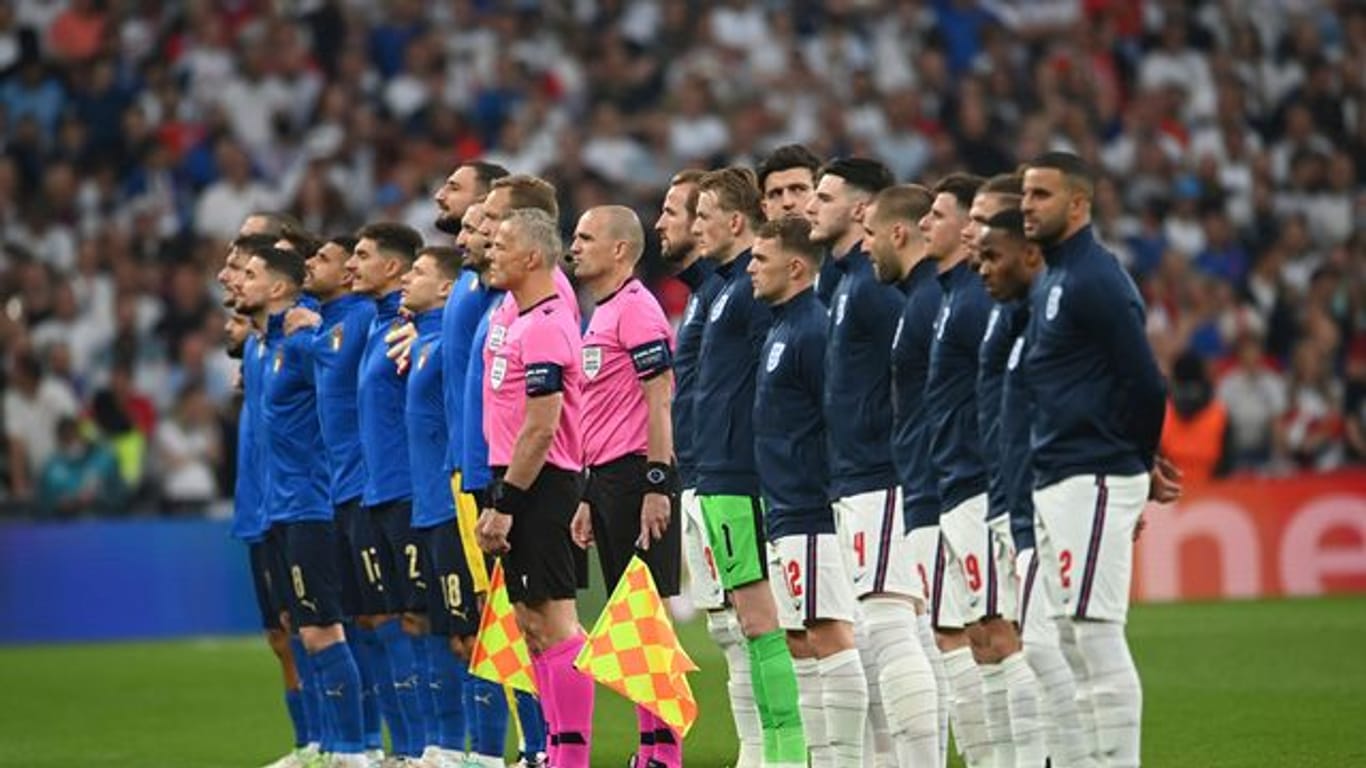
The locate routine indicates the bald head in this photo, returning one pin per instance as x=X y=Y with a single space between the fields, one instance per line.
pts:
x=622 y=225
x=608 y=242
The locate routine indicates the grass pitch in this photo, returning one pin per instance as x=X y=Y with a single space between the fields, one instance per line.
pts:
x=1229 y=684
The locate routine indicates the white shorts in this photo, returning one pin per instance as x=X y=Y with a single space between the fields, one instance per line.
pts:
x=1035 y=617
x=923 y=545
x=1006 y=600
x=965 y=574
x=810 y=580
x=703 y=584
x=872 y=534
x=1084 y=527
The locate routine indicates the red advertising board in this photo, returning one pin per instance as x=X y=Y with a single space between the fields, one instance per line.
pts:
x=1254 y=537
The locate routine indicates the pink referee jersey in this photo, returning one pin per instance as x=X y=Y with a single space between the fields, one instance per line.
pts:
x=628 y=340
x=537 y=354
x=506 y=311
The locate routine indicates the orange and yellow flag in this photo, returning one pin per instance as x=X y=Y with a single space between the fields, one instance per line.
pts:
x=634 y=650
x=500 y=652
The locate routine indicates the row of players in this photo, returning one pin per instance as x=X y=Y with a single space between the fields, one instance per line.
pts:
x=874 y=403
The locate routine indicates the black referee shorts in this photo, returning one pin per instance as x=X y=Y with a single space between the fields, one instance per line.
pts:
x=543 y=563
x=614 y=494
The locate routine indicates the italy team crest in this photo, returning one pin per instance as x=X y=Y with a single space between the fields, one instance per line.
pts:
x=592 y=361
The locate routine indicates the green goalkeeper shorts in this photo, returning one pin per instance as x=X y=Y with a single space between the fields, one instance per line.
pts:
x=735 y=526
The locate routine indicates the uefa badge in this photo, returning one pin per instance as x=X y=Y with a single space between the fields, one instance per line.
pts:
x=1015 y=353
x=497 y=333
x=1054 y=299
x=497 y=372
x=592 y=361
x=775 y=354
x=337 y=331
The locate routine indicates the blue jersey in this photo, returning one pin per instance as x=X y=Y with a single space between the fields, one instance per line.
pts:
x=701 y=279
x=248 y=510
x=951 y=390
x=724 y=431
x=464 y=307
x=380 y=396
x=910 y=370
x=1017 y=472
x=789 y=431
x=1004 y=325
x=297 y=487
x=425 y=412
x=1099 y=399
x=475 y=474
x=337 y=347
x=858 y=396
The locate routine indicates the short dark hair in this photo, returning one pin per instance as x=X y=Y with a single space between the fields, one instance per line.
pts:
x=398 y=240
x=904 y=202
x=253 y=244
x=737 y=190
x=1009 y=221
x=1076 y=170
x=303 y=242
x=286 y=264
x=793 y=233
x=347 y=242
x=447 y=259
x=863 y=173
x=527 y=191
x=785 y=158
x=1003 y=184
x=486 y=173
x=963 y=187
x=693 y=177
x=276 y=221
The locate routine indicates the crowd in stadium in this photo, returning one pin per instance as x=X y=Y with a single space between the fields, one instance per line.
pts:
x=136 y=136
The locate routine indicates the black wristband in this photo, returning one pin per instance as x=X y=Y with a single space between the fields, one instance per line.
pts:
x=482 y=498
x=510 y=500
x=661 y=478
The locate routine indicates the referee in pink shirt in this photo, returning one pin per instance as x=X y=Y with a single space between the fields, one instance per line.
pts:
x=632 y=501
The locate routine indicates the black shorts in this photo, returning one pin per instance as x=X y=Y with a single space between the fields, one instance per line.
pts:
x=403 y=547
x=262 y=581
x=314 y=573
x=368 y=558
x=614 y=494
x=544 y=564
x=345 y=517
x=451 y=605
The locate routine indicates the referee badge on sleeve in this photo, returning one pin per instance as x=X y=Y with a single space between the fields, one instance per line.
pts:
x=592 y=361
x=497 y=372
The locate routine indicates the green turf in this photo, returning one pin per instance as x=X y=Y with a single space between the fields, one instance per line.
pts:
x=1233 y=684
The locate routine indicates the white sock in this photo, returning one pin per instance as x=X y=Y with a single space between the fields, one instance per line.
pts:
x=1067 y=742
x=877 y=742
x=1116 y=694
x=925 y=631
x=811 y=701
x=1086 y=711
x=909 y=697
x=845 y=700
x=724 y=629
x=968 y=706
x=997 y=705
x=1026 y=723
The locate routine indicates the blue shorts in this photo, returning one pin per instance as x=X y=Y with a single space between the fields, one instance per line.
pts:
x=451 y=605
x=402 y=556
x=314 y=573
x=268 y=601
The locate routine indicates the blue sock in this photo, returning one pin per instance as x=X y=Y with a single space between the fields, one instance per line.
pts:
x=425 y=696
x=533 y=723
x=327 y=727
x=403 y=664
x=490 y=713
x=364 y=651
x=294 y=702
x=388 y=695
x=308 y=690
x=340 y=682
x=447 y=682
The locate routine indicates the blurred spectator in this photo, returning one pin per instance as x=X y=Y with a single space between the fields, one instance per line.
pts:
x=1195 y=435
x=187 y=449
x=1255 y=395
x=1310 y=434
x=34 y=403
x=80 y=477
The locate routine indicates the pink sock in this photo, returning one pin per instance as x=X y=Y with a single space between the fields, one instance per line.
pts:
x=571 y=695
x=648 y=724
x=543 y=685
x=668 y=747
